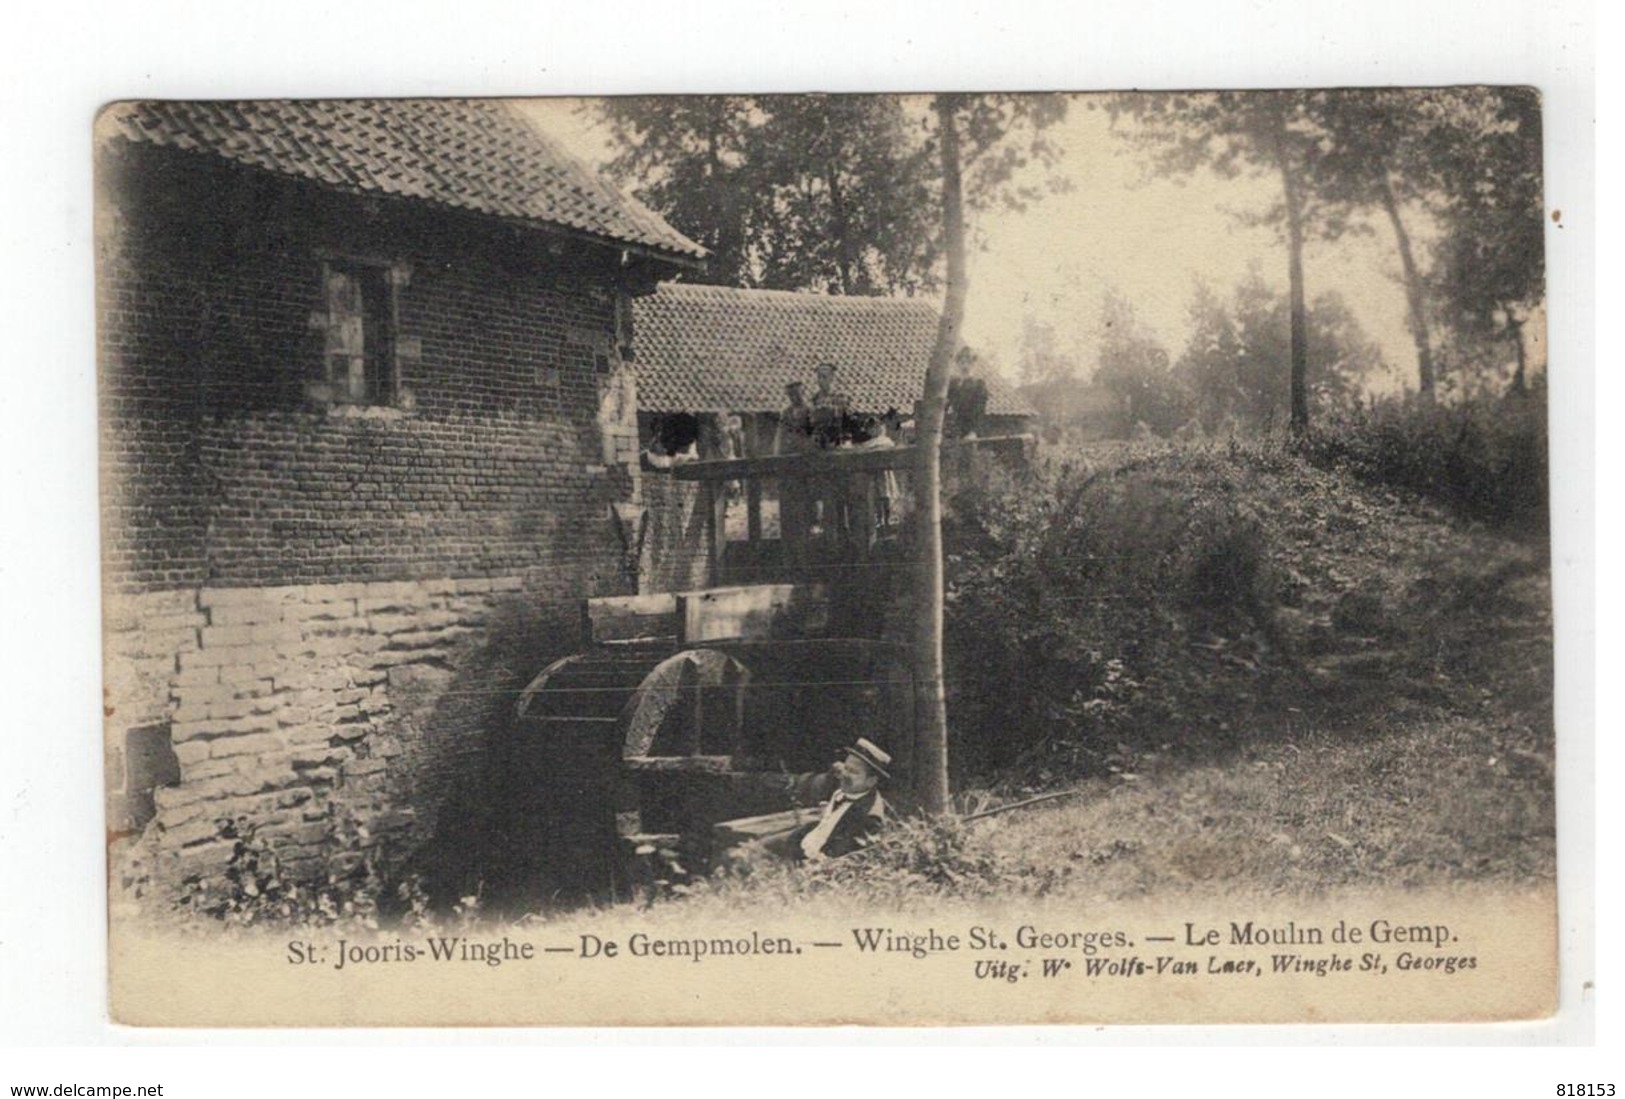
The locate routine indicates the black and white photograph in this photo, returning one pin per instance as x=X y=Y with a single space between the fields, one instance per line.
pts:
x=1037 y=557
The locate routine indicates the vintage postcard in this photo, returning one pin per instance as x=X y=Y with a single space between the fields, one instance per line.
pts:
x=895 y=560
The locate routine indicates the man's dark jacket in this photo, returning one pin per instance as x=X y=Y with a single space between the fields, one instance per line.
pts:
x=855 y=829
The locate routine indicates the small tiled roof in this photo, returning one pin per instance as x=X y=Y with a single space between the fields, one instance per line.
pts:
x=721 y=349
x=479 y=155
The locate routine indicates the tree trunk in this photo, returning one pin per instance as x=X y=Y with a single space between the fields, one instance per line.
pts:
x=843 y=244
x=728 y=242
x=930 y=699
x=1299 y=316
x=1413 y=292
x=1299 y=313
x=1520 y=381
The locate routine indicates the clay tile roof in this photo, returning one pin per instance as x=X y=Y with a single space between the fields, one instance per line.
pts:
x=721 y=349
x=479 y=155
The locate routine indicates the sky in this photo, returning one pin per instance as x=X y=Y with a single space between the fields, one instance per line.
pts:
x=1152 y=240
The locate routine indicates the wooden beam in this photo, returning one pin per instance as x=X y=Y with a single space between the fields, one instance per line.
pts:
x=748 y=612
x=630 y=617
x=824 y=463
x=701 y=765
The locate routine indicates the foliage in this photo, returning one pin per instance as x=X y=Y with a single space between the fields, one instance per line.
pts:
x=1485 y=457
x=1166 y=593
x=1001 y=134
x=1233 y=367
x=1492 y=270
x=1471 y=157
x=1342 y=358
x=786 y=192
x=1236 y=133
x=936 y=856
x=1134 y=368
x=1230 y=378
x=360 y=885
x=1072 y=598
x=1465 y=160
x=255 y=886
x=1468 y=158
x=839 y=194
x=1042 y=361
x=685 y=156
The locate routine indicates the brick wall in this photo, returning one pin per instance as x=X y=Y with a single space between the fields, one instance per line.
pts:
x=219 y=469
x=255 y=540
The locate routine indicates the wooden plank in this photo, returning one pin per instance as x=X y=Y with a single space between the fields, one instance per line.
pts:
x=749 y=612
x=744 y=829
x=701 y=765
x=753 y=509
x=653 y=839
x=823 y=463
x=631 y=617
x=715 y=533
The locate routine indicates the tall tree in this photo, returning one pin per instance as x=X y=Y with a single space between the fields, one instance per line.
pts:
x=930 y=694
x=1134 y=368
x=1380 y=149
x=1342 y=357
x=851 y=189
x=1243 y=133
x=829 y=193
x=980 y=158
x=1231 y=364
x=1487 y=157
x=687 y=155
x=1211 y=366
x=1354 y=142
x=1042 y=362
x=1464 y=159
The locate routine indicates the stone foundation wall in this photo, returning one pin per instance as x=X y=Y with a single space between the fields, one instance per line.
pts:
x=295 y=704
x=144 y=636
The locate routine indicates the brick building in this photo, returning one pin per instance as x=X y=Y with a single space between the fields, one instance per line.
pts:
x=368 y=439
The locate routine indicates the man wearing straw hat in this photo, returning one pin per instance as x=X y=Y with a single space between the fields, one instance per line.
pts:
x=854 y=813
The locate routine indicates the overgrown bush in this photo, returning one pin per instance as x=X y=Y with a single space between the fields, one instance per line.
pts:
x=1484 y=457
x=359 y=885
x=1073 y=590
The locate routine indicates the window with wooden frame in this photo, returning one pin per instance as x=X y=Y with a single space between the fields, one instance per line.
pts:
x=360 y=325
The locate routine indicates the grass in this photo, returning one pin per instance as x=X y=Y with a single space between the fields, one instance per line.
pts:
x=1442 y=802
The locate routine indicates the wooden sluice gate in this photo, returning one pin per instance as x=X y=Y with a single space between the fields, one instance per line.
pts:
x=686 y=711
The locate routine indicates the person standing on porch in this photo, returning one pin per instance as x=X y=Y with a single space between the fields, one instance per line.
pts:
x=794 y=434
x=831 y=410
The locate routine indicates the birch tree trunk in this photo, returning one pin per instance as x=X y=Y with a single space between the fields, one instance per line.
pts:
x=930 y=698
x=1413 y=292
x=1297 y=310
